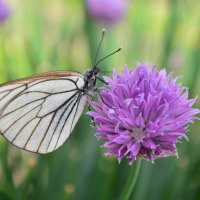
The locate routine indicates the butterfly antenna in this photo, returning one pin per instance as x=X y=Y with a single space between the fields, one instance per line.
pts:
x=100 y=43
x=108 y=56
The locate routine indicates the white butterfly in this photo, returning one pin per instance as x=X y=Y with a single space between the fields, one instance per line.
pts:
x=39 y=113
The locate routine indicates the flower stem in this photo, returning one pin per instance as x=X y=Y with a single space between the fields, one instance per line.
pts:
x=128 y=188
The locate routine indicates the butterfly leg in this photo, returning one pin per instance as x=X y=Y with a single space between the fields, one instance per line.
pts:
x=91 y=98
x=92 y=118
x=89 y=108
x=98 y=92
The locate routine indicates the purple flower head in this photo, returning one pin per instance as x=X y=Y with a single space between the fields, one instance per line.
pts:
x=107 y=11
x=4 y=10
x=142 y=113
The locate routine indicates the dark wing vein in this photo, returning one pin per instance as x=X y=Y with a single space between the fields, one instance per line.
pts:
x=24 y=125
x=55 y=79
x=13 y=98
x=5 y=95
x=9 y=90
x=25 y=105
x=62 y=104
x=72 y=100
x=48 y=93
x=32 y=132
x=68 y=101
x=46 y=131
x=79 y=98
x=48 y=75
x=74 y=104
x=21 y=118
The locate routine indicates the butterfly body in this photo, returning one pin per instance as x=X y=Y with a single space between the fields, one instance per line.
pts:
x=90 y=78
x=39 y=113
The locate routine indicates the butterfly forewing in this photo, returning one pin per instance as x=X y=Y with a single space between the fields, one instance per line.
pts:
x=39 y=113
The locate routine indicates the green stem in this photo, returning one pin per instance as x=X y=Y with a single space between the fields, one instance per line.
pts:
x=128 y=188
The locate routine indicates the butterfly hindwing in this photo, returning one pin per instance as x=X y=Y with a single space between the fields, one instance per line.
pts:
x=39 y=113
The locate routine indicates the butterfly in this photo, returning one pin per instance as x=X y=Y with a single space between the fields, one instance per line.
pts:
x=38 y=113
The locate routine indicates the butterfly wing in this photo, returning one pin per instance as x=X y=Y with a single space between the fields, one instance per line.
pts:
x=39 y=113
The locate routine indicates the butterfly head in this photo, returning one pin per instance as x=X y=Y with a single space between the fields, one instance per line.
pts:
x=90 y=77
x=91 y=74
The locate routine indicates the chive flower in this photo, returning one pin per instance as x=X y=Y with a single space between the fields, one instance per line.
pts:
x=106 y=11
x=4 y=10
x=142 y=113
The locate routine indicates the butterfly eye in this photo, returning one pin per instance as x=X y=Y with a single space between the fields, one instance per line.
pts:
x=96 y=71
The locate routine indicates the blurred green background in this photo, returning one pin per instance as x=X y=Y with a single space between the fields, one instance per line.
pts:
x=50 y=35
